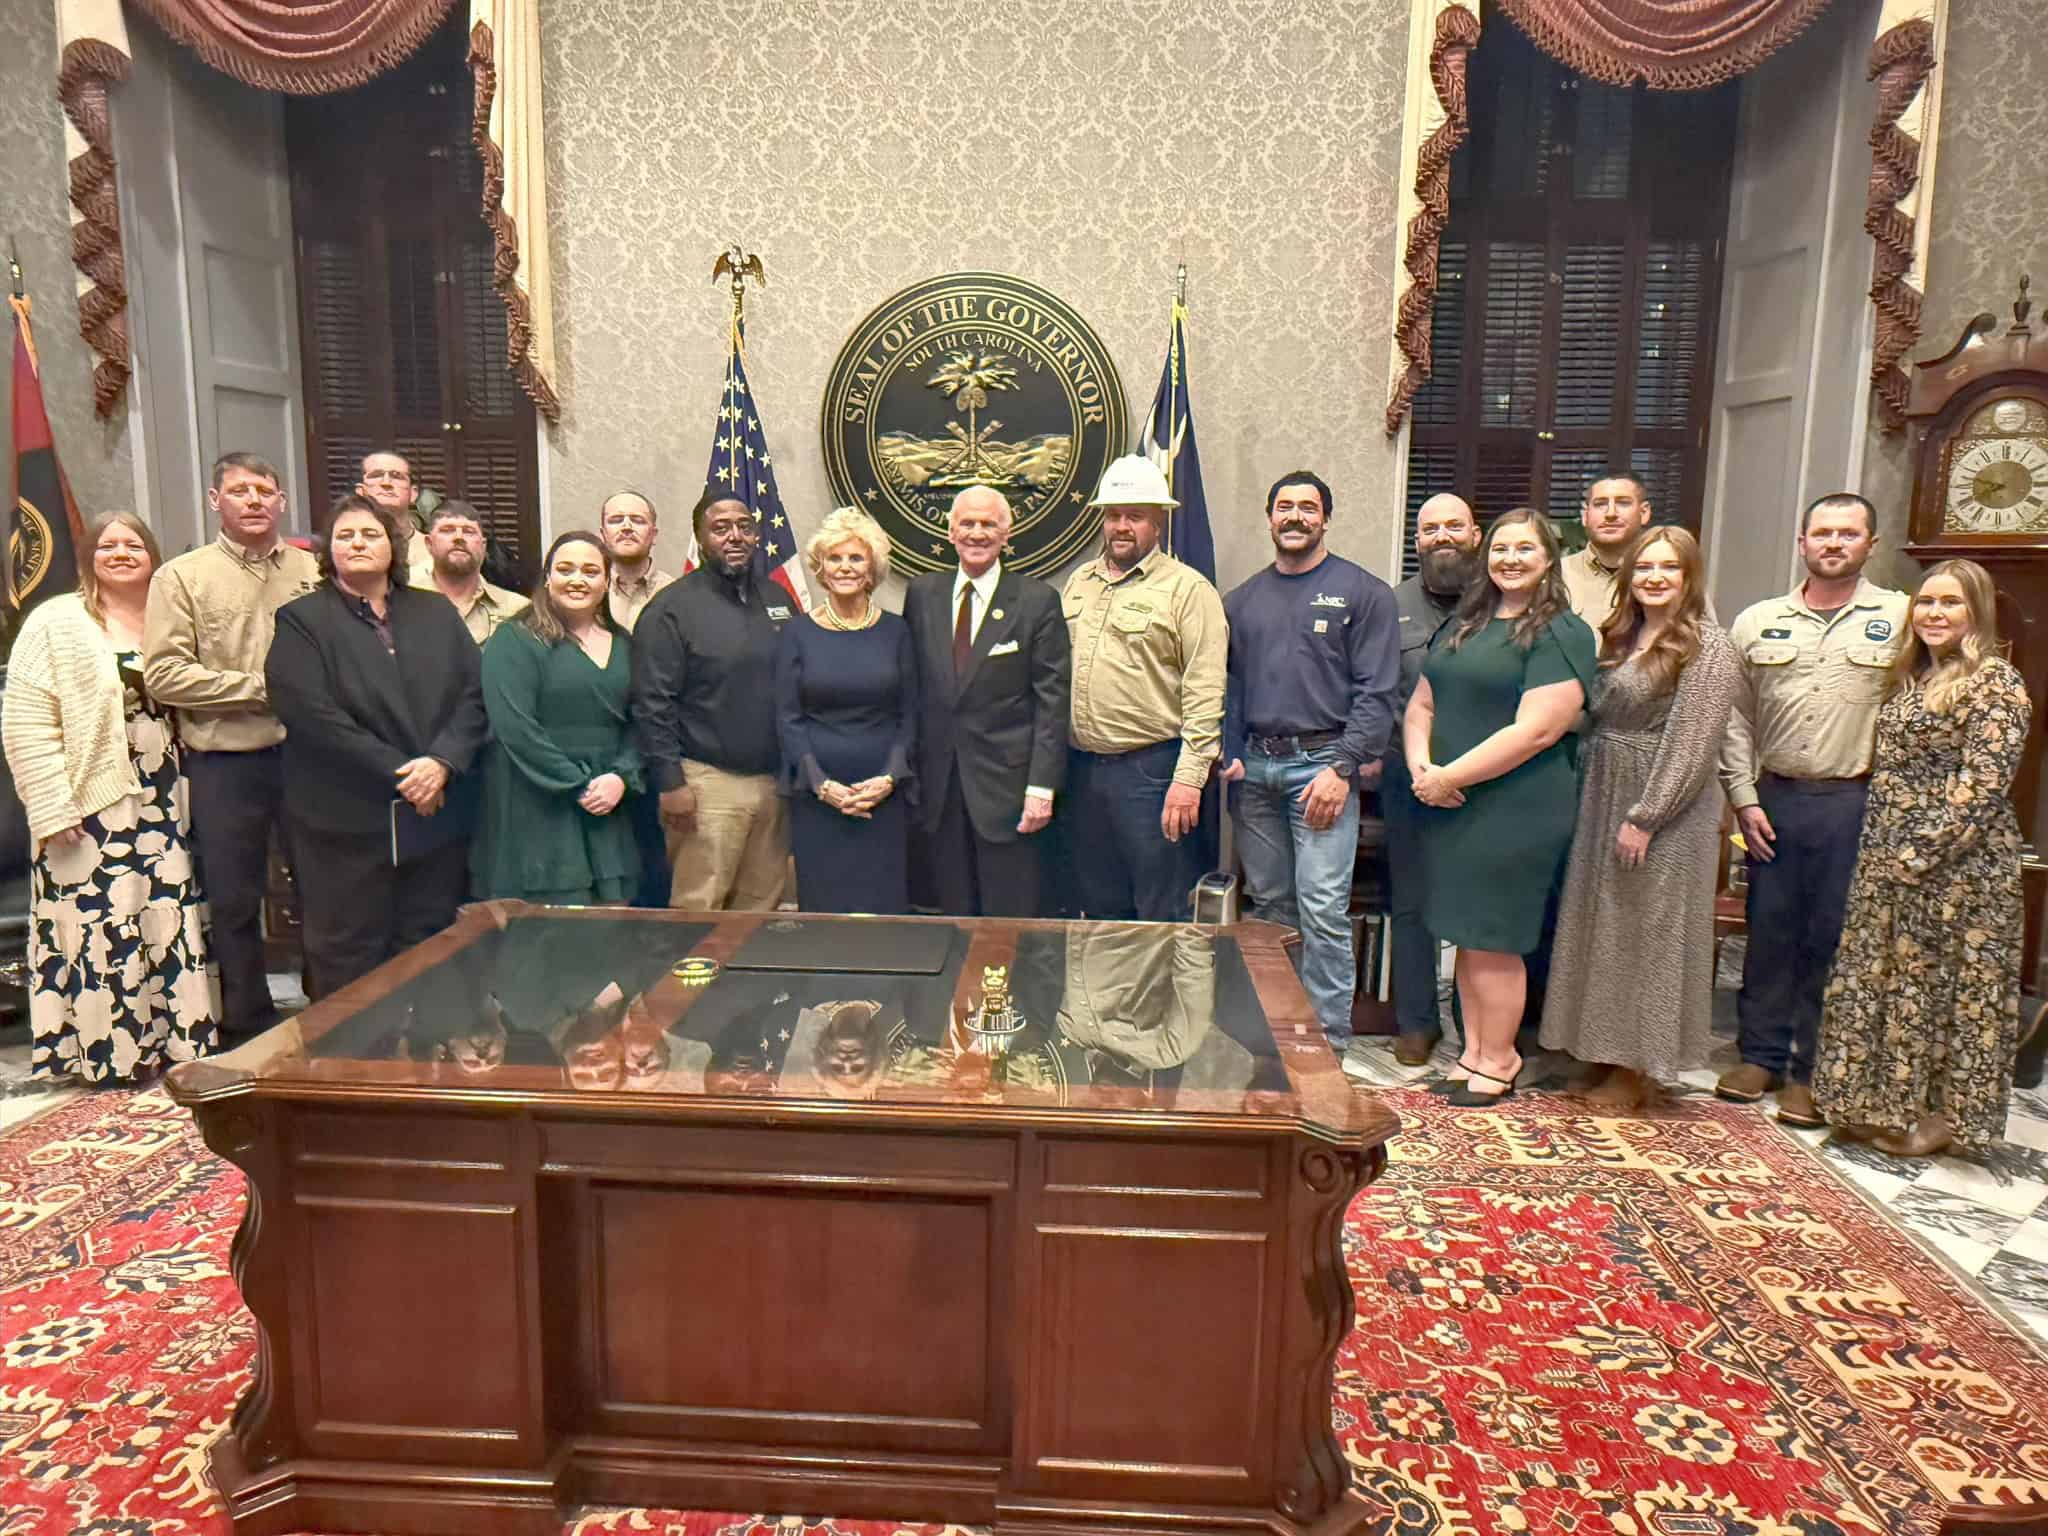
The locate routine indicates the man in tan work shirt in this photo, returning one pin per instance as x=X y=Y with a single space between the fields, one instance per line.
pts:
x=1795 y=763
x=626 y=524
x=454 y=543
x=1149 y=646
x=205 y=638
x=1616 y=509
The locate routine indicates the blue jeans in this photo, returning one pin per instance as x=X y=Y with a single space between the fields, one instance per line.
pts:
x=1119 y=865
x=1301 y=877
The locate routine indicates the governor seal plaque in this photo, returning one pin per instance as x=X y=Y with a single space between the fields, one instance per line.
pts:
x=974 y=379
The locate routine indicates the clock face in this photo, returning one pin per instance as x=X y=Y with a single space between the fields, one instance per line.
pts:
x=1998 y=471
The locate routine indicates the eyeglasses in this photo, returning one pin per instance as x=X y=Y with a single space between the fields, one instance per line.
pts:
x=387 y=474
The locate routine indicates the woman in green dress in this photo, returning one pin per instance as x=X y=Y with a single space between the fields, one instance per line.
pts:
x=1485 y=737
x=561 y=760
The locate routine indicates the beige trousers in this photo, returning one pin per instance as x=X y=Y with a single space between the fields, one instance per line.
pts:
x=736 y=858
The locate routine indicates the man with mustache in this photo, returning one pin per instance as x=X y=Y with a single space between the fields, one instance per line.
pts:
x=454 y=546
x=1315 y=664
x=1617 y=509
x=704 y=718
x=1815 y=666
x=1447 y=543
x=1149 y=639
x=627 y=525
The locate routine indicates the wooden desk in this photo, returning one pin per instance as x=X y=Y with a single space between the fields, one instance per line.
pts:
x=535 y=1220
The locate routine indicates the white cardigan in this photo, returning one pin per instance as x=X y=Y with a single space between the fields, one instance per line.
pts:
x=64 y=722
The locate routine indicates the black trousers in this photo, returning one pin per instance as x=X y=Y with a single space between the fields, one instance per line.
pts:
x=359 y=910
x=1416 y=1011
x=1794 y=912
x=1120 y=863
x=237 y=801
x=972 y=877
x=656 y=873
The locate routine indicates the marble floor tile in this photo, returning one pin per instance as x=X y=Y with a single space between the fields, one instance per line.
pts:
x=1880 y=1186
x=1940 y=1215
x=2017 y=1281
x=2030 y=1103
x=2024 y=1130
x=1971 y=1258
x=1996 y=1183
x=1861 y=1154
x=2030 y=1241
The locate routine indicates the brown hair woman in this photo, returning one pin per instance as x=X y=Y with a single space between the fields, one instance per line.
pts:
x=1922 y=1011
x=1631 y=975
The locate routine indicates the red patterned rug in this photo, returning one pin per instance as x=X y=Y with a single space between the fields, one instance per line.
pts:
x=1680 y=1326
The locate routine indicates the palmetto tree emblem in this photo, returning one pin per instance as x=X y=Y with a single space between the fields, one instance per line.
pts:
x=968 y=379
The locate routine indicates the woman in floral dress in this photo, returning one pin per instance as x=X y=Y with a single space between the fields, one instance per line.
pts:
x=1922 y=1011
x=117 y=943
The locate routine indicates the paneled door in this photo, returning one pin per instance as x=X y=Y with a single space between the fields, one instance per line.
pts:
x=404 y=336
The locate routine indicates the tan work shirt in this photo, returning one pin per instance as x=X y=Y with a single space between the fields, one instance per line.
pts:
x=489 y=606
x=629 y=595
x=1595 y=591
x=1811 y=687
x=206 y=636
x=1149 y=651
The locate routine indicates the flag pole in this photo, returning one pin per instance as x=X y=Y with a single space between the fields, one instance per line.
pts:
x=1180 y=299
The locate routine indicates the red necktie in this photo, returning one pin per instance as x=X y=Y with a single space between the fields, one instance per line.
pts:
x=963 y=631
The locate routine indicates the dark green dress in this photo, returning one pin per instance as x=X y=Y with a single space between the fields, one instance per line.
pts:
x=1490 y=864
x=558 y=720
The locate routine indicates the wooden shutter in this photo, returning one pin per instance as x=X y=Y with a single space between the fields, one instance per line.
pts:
x=1578 y=298
x=405 y=334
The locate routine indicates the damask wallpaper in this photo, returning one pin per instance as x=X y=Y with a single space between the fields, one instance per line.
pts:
x=1990 y=202
x=34 y=212
x=859 y=146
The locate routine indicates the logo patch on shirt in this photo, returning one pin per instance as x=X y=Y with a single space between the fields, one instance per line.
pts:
x=777 y=611
x=1878 y=629
x=1322 y=626
x=1777 y=634
x=1325 y=600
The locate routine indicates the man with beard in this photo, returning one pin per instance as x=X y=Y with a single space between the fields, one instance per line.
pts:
x=626 y=524
x=1447 y=541
x=454 y=546
x=1314 y=668
x=1616 y=510
x=1149 y=650
x=1796 y=764
x=704 y=718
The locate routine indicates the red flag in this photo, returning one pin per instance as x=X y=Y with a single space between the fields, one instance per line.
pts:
x=44 y=531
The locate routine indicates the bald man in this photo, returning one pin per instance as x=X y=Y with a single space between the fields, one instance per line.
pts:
x=994 y=666
x=1447 y=551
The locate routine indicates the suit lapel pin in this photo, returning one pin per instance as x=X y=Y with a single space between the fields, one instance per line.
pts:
x=995 y=613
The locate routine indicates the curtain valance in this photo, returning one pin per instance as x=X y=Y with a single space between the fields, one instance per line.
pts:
x=308 y=47
x=1669 y=45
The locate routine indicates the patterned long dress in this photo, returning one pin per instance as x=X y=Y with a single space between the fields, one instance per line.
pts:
x=1631 y=973
x=117 y=930
x=1922 y=1011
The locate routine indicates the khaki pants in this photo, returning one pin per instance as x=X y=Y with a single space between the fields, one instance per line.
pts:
x=736 y=858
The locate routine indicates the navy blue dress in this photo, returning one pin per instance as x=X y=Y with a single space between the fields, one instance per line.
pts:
x=846 y=708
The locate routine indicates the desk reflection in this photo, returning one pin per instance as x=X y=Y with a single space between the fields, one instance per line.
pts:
x=1126 y=1013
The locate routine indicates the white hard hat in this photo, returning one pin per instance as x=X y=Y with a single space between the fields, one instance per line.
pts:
x=1133 y=481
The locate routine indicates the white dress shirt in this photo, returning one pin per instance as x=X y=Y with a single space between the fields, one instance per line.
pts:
x=984 y=589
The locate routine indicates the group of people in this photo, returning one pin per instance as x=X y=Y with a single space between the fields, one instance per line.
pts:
x=1543 y=732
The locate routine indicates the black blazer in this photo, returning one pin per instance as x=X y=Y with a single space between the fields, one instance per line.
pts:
x=1005 y=721
x=353 y=712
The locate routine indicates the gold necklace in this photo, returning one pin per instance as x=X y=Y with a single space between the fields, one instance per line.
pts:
x=828 y=615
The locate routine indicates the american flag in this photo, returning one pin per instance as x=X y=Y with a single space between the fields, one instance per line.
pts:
x=740 y=466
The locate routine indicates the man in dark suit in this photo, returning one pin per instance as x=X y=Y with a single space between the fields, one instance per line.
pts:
x=994 y=658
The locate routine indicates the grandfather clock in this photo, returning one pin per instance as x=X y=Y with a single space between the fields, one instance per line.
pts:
x=1979 y=418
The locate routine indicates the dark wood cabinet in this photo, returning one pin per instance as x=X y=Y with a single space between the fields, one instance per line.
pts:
x=402 y=333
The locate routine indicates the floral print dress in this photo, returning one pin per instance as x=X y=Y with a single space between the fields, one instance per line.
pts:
x=1922 y=1011
x=117 y=940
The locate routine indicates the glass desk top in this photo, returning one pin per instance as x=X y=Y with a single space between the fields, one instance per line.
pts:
x=518 y=1000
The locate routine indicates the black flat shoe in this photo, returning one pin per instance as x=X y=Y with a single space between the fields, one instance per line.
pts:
x=1464 y=1097
x=1448 y=1084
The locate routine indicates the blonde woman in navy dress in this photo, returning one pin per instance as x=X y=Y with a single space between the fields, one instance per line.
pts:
x=846 y=709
